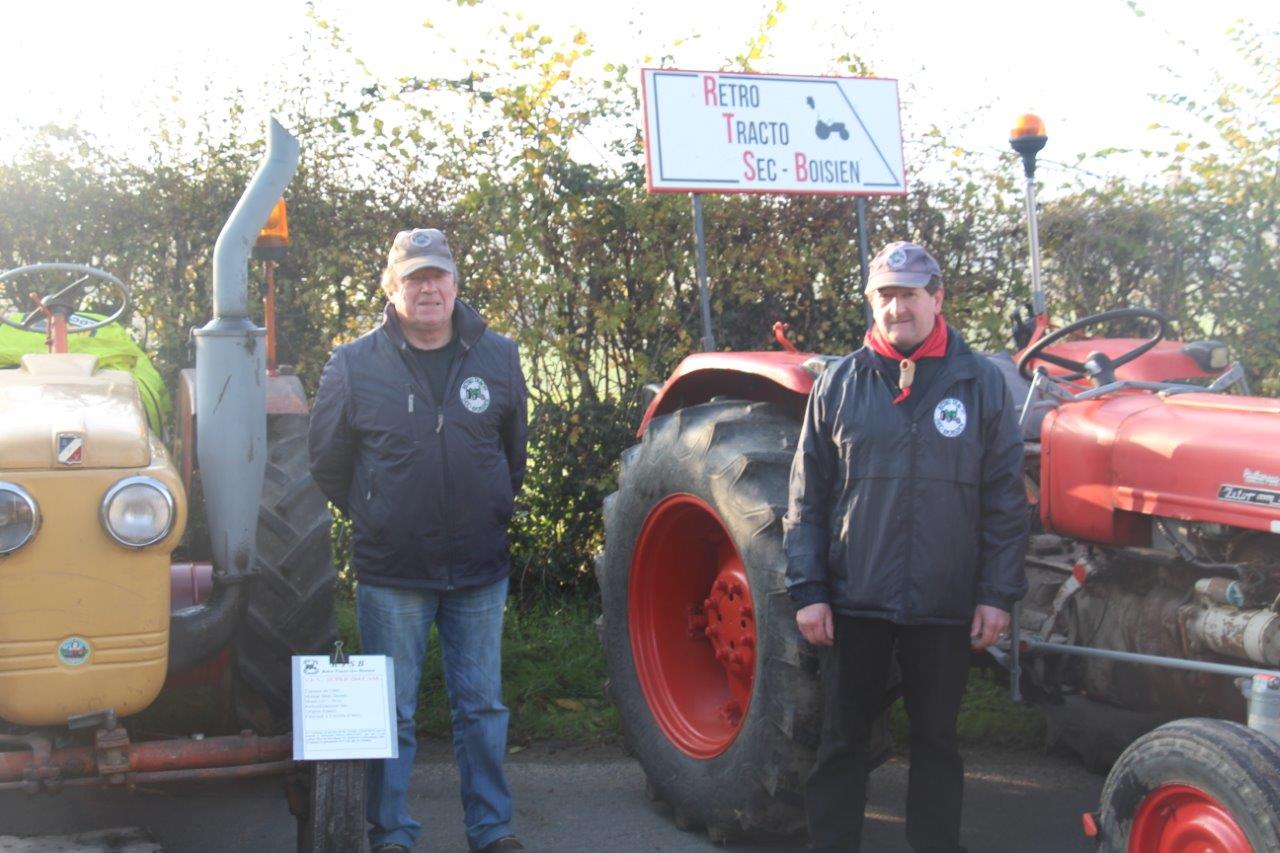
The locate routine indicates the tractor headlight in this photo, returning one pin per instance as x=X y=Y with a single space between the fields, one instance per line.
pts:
x=137 y=512
x=19 y=517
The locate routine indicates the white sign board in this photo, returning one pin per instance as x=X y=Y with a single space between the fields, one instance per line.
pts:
x=710 y=131
x=343 y=710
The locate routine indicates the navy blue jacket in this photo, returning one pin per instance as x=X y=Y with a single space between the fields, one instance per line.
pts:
x=914 y=518
x=428 y=484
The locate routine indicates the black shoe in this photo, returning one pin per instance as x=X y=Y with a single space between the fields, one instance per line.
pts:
x=506 y=842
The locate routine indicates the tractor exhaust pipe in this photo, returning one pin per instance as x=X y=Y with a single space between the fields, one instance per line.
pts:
x=231 y=413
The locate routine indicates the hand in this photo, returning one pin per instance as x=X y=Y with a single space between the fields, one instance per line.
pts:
x=817 y=625
x=989 y=624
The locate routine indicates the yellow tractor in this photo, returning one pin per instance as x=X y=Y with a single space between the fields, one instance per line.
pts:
x=96 y=615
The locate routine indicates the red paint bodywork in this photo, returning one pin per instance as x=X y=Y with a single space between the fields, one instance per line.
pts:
x=1107 y=464
x=772 y=377
x=778 y=377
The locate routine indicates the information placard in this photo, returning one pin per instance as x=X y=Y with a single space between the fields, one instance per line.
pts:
x=343 y=710
x=710 y=131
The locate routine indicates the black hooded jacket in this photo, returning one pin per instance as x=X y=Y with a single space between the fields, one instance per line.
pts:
x=428 y=484
x=910 y=514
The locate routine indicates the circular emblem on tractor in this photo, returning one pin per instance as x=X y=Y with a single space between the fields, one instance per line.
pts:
x=897 y=259
x=420 y=239
x=949 y=417
x=74 y=651
x=475 y=394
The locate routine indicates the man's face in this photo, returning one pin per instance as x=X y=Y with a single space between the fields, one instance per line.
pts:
x=424 y=299
x=905 y=315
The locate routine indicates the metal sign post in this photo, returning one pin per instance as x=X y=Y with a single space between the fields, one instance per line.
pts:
x=708 y=339
x=864 y=253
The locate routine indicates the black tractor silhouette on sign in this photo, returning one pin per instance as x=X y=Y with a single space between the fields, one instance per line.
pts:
x=825 y=129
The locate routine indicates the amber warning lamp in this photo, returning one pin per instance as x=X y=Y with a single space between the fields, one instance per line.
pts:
x=1027 y=138
x=273 y=239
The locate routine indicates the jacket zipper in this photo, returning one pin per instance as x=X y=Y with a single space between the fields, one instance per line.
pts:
x=446 y=485
x=911 y=521
x=455 y=370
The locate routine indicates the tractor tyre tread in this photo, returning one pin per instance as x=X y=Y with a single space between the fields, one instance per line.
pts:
x=1232 y=763
x=290 y=608
x=333 y=818
x=736 y=456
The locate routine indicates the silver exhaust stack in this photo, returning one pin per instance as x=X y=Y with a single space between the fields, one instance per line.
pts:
x=231 y=413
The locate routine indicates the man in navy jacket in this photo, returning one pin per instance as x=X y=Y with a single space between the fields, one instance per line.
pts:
x=906 y=526
x=418 y=435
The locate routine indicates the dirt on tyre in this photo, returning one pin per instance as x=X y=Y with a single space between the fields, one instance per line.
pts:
x=717 y=692
x=291 y=595
x=327 y=798
x=1194 y=784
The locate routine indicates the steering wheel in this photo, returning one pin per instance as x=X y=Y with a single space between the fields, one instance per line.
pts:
x=69 y=297
x=1037 y=350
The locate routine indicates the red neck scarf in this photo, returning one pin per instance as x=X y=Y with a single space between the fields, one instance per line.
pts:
x=934 y=346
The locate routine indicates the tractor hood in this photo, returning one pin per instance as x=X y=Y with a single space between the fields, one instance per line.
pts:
x=60 y=411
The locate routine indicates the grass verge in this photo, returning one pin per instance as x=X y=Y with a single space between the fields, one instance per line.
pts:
x=553 y=681
x=988 y=717
x=553 y=675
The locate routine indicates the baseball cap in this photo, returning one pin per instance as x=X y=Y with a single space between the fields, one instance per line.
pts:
x=421 y=247
x=902 y=264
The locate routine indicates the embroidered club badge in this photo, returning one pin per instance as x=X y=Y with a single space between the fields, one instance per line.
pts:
x=949 y=417
x=475 y=394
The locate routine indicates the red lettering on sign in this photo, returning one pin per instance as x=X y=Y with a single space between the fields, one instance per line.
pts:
x=709 y=91
x=728 y=126
x=749 y=159
x=802 y=167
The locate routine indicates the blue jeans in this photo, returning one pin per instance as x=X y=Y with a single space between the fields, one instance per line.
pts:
x=397 y=623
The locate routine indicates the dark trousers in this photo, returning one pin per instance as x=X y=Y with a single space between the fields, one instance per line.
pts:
x=855 y=672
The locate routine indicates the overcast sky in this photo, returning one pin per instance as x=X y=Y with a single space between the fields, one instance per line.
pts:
x=1088 y=67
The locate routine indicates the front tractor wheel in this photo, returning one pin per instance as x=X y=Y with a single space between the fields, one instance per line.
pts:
x=327 y=798
x=1209 y=786
x=717 y=692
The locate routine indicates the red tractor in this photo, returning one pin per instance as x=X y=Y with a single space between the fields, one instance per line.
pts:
x=1154 y=581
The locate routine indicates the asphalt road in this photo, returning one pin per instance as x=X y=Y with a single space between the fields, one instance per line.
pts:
x=568 y=798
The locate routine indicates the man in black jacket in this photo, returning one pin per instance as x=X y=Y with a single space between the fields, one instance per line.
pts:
x=418 y=436
x=906 y=525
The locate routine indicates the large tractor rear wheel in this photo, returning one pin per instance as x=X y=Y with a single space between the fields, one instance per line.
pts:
x=717 y=691
x=290 y=608
x=1195 y=784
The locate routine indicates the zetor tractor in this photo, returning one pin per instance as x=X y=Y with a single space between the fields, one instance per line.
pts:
x=96 y=617
x=1154 y=575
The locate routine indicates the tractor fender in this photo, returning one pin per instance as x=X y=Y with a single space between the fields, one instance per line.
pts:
x=782 y=378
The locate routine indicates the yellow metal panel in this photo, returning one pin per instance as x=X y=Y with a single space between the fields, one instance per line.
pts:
x=73 y=584
x=62 y=393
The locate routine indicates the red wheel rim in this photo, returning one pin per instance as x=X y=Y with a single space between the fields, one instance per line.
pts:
x=1182 y=819
x=692 y=626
